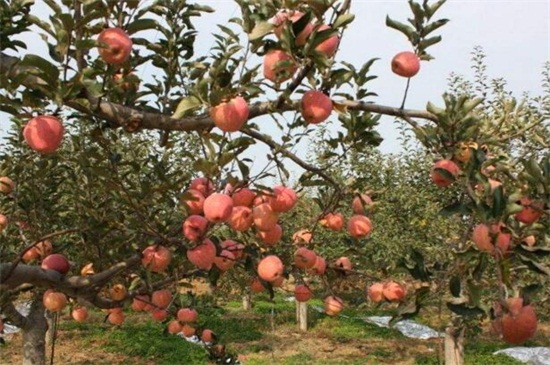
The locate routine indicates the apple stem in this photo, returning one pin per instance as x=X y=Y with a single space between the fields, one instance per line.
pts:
x=405 y=94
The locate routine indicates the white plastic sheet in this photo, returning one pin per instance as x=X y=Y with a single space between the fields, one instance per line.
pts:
x=529 y=355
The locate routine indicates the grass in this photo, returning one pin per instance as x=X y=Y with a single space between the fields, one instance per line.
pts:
x=268 y=335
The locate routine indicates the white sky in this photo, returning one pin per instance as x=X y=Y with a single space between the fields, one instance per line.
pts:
x=515 y=35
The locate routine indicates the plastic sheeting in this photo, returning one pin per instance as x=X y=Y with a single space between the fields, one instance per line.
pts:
x=529 y=355
x=407 y=327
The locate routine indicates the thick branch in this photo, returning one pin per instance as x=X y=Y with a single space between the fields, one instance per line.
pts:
x=122 y=116
x=8 y=309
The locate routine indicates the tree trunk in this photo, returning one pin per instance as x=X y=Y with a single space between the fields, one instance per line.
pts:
x=34 y=335
x=247 y=302
x=454 y=345
x=301 y=315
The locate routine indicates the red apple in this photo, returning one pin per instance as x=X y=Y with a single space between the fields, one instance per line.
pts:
x=270 y=268
x=279 y=66
x=241 y=218
x=218 y=207
x=195 y=201
x=3 y=222
x=202 y=256
x=360 y=202
x=6 y=185
x=161 y=298
x=531 y=212
x=202 y=184
x=116 y=46
x=375 y=292
x=316 y=107
x=230 y=116
x=80 y=314
x=265 y=218
x=304 y=258
x=406 y=64
x=359 y=226
x=272 y=236
x=44 y=133
x=329 y=46
x=156 y=258
x=188 y=315
x=302 y=293
x=443 y=180
x=283 y=16
x=225 y=260
x=243 y=197
x=56 y=262
x=333 y=305
x=195 y=227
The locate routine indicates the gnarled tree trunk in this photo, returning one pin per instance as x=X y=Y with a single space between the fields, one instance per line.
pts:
x=34 y=335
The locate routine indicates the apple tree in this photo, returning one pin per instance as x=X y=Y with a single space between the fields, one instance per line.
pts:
x=142 y=181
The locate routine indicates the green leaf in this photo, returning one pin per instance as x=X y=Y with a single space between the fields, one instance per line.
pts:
x=141 y=24
x=463 y=310
x=434 y=26
x=454 y=286
x=260 y=30
x=343 y=20
x=49 y=72
x=185 y=105
x=534 y=266
x=427 y=42
x=407 y=30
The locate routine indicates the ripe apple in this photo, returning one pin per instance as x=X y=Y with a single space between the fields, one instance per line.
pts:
x=279 y=66
x=343 y=263
x=406 y=64
x=159 y=315
x=531 y=212
x=44 y=248
x=284 y=199
x=3 y=222
x=394 y=291
x=256 y=286
x=54 y=301
x=333 y=305
x=360 y=202
x=329 y=46
x=202 y=256
x=56 y=262
x=116 y=317
x=443 y=180
x=333 y=221
x=140 y=302
x=195 y=201
x=237 y=249
x=188 y=315
x=241 y=218
x=265 y=218
x=80 y=314
x=208 y=336
x=118 y=292
x=359 y=226
x=6 y=185
x=225 y=260
x=156 y=258
x=218 y=207
x=116 y=46
x=195 y=227
x=44 y=133
x=187 y=330
x=230 y=116
x=202 y=184
x=161 y=298
x=316 y=106
x=270 y=268
x=482 y=238
x=519 y=323
x=319 y=267
x=173 y=327
x=304 y=258
x=272 y=236
x=302 y=293
x=243 y=197
x=375 y=292
x=30 y=255
x=283 y=16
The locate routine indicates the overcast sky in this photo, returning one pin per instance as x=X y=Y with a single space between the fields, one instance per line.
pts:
x=515 y=35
